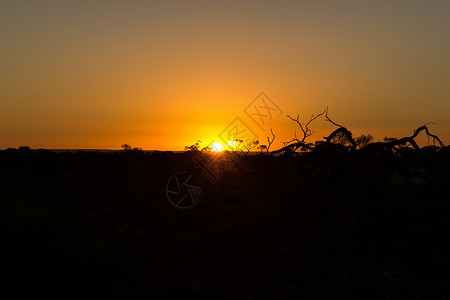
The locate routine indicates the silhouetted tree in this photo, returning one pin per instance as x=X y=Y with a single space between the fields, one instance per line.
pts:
x=391 y=143
x=24 y=149
x=299 y=143
x=343 y=137
x=262 y=148
x=193 y=147
x=126 y=147
x=270 y=141
x=341 y=131
x=241 y=148
x=363 y=140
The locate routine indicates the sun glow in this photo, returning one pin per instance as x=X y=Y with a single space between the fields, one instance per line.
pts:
x=217 y=147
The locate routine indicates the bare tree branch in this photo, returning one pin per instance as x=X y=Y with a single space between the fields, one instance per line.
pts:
x=305 y=129
x=329 y=120
x=270 y=141
x=296 y=143
x=340 y=130
x=390 y=144
x=363 y=142
x=344 y=131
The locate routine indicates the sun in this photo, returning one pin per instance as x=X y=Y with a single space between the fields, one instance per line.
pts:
x=217 y=147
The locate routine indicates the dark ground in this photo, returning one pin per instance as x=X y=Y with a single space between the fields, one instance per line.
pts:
x=321 y=226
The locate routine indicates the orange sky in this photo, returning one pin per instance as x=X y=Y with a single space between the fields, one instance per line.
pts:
x=162 y=74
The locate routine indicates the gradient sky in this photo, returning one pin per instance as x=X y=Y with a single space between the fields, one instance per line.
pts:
x=162 y=74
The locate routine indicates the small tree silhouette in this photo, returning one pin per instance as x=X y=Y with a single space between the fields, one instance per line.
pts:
x=126 y=147
x=24 y=149
x=193 y=147
x=363 y=140
x=242 y=148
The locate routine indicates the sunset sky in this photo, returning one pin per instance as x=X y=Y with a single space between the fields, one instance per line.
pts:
x=163 y=74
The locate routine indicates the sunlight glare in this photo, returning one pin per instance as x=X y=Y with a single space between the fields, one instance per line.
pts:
x=217 y=147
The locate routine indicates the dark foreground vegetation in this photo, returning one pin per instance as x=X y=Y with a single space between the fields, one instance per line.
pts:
x=323 y=225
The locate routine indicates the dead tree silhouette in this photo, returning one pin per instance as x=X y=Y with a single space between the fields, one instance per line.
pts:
x=362 y=143
x=296 y=143
x=413 y=173
x=405 y=140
